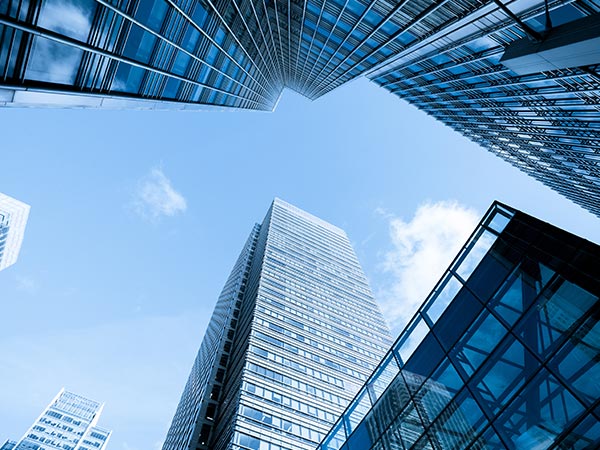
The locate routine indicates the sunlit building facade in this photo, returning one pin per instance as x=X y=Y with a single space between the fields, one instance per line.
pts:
x=293 y=336
x=503 y=354
x=68 y=423
x=469 y=63
x=13 y=219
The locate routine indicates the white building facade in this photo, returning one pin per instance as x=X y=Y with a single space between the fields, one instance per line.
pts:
x=67 y=423
x=13 y=218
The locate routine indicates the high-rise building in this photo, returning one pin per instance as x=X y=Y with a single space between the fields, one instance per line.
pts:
x=294 y=334
x=503 y=354
x=67 y=423
x=13 y=218
x=543 y=118
x=468 y=63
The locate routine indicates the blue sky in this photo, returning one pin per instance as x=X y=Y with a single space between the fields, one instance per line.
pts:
x=137 y=218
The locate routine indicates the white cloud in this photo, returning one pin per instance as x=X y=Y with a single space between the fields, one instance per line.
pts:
x=53 y=61
x=67 y=17
x=422 y=250
x=155 y=197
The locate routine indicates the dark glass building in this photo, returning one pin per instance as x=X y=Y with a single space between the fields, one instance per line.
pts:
x=293 y=336
x=518 y=77
x=503 y=354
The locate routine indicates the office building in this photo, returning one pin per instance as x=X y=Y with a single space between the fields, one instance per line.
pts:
x=8 y=445
x=294 y=334
x=518 y=77
x=13 y=218
x=68 y=423
x=459 y=66
x=503 y=354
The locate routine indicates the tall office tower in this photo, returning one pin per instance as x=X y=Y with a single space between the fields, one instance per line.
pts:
x=468 y=63
x=503 y=354
x=69 y=423
x=13 y=218
x=494 y=74
x=294 y=334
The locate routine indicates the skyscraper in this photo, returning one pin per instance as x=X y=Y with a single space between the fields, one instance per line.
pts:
x=13 y=218
x=69 y=423
x=503 y=354
x=294 y=334
x=466 y=63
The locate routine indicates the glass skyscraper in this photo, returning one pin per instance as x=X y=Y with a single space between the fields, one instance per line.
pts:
x=13 y=219
x=503 y=354
x=67 y=423
x=294 y=334
x=467 y=63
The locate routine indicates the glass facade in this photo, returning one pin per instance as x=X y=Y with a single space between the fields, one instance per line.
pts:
x=68 y=423
x=545 y=123
x=503 y=354
x=294 y=335
x=444 y=57
x=13 y=218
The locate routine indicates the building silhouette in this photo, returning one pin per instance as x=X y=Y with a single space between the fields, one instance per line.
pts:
x=294 y=334
x=503 y=354
x=69 y=422
x=518 y=77
x=13 y=219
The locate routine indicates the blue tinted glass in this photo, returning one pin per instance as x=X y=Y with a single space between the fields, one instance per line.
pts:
x=545 y=326
x=459 y=315
x=460 y=422
x=586 y=435
x=538 y=414
x=578 y=362
x=478 y=342
x=426 y=357
x=360 y=439
x=447 y=375
x=504 y=374
x=489 y=274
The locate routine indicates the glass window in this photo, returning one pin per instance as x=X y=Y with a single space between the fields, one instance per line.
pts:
x=538 y=414
x=53 y=62
x=356 y=412
x=514 y=296
x=459 y=315
x=579 y=360
x=469 y=261
x=426 y=358
x=462 y=420
x=503 y=375
x=447 y=290
x=478 y=342
x=545 y=326
x=383 y=376
x=72 y=18
x=417 y=329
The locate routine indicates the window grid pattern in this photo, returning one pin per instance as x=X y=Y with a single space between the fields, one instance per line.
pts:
x=546 y=124
x=307 y=334
x=503 y=354
x=67 y=423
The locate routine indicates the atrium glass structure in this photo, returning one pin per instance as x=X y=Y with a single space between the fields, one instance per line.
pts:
x=293 y=336
x=13 y=219
x=503 y=354
x=451 y=58
x=69 y=422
